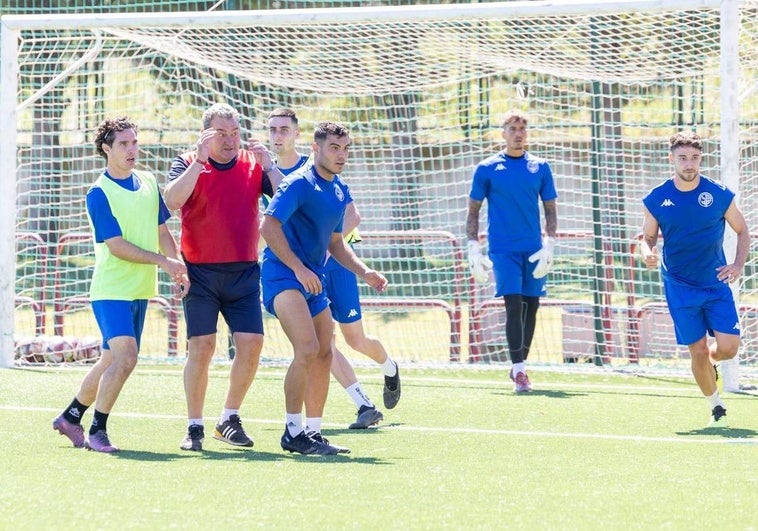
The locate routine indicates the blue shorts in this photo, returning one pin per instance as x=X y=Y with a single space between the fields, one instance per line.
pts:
x=277 y=277
x=696 y=311
x=513 y=275
x=341 y=286
x=232 y=289
x=120 y=318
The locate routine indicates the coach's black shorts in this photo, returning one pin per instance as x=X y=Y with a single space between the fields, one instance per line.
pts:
x=232 y=289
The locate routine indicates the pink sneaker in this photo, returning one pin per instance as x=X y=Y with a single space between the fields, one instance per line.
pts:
x=99 y=442
x=74 y=432
x=523 y=385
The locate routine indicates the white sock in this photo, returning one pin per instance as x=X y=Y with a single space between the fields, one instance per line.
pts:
x=519 y=367
x=389 y=367
x=294 y=423
x=715 y=400
x=194 y=422
x=226 y=413
x=313 y=424
x=359 y=397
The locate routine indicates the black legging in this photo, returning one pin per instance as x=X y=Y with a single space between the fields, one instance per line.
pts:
x=520 y=321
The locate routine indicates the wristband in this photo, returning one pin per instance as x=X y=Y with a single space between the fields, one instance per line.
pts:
x=201 y=162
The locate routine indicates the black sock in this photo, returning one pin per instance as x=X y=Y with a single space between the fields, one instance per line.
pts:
x=99 y=422
x=74 y=412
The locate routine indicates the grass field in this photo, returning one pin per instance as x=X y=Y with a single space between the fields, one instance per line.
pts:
x=583 y=451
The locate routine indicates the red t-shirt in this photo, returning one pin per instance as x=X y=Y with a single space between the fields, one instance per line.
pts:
x=220 y=218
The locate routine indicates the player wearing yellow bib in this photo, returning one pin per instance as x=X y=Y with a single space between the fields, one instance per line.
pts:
x=342 y=289
x=128 y=219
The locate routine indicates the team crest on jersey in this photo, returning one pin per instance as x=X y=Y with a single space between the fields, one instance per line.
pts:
x=338 y=192
x=532 y=166
x=705 y=199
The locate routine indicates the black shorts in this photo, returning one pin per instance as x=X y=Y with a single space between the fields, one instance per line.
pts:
x=234 y=290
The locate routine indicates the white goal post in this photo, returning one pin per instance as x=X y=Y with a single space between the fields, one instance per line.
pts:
x=422 y=89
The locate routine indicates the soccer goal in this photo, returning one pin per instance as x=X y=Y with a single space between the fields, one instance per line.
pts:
x=423 y=90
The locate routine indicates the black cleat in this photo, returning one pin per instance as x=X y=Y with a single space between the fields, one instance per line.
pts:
x=316 y=436
x=193 y=441
x=718 y=418
x=305 y=445
x=391 y=393
x=367 y=416
x=231 y=432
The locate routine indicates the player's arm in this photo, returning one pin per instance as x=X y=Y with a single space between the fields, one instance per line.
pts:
x=649 y=239
x=551 y=218
x=735 y=219
x=182 y=181
x=472 y=219
x=271 y=231
x=351 y=220
x=183 y=177
x=342 y=252
x=263 y=157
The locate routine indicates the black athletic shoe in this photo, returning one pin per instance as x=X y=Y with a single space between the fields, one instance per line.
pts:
x=367 y=416
x=305 y=445
x=316 y=436
x=194 y=439
x=718 y=418
x=231 y=432
x=391 y=393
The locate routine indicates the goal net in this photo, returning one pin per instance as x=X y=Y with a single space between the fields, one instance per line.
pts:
x=423 y=90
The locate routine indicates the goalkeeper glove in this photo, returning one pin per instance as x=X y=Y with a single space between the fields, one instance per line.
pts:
x=545 y=257
x=479 y=264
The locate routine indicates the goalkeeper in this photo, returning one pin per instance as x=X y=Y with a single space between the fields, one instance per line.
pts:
x=513 y=181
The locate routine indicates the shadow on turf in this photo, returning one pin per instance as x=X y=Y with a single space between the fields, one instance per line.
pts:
x=238 y=454
x=550 y=393
x=729 y=433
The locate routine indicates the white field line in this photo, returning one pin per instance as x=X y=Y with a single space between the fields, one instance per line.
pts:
x=446 y=430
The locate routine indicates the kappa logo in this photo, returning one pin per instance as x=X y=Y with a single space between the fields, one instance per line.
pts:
x=317 y=187
x=667 y=202
x=74 y=412
x=500 y=166
x=736 y=326
x=352 y=313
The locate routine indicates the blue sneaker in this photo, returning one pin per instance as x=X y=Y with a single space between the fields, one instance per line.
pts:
x=303 y=444
x=367 y=416
x=316 y=436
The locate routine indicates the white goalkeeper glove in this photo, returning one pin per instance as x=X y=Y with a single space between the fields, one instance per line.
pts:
x=479 y=264
x=545 y=257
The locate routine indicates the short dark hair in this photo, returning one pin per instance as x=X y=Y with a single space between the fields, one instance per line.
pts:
x=324 y=129
x=106 y=132
x=514 y=116
x=685 y=139
x=283 y=112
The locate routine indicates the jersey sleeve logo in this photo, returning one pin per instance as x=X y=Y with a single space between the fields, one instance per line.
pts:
x=705 y=199
x=338 y=192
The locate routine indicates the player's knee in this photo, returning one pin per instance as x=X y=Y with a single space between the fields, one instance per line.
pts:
x=727 y=350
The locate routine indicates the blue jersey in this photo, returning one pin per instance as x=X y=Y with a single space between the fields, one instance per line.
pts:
x=299 y=164
x=513 y=187
x=104 y=222
x=692 y=224
x=310 y=209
